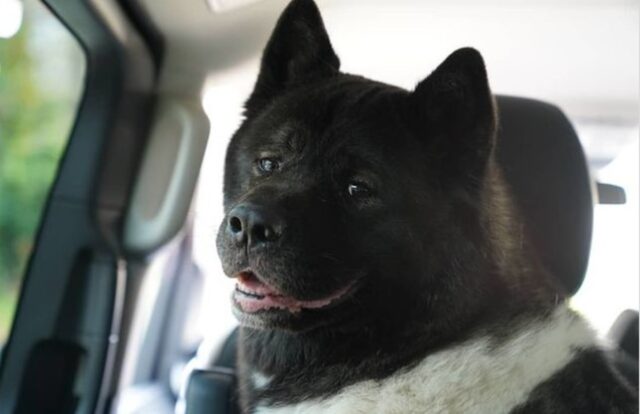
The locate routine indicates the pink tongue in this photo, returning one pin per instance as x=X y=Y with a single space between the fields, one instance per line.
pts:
x=272 y=299
x=247 y=282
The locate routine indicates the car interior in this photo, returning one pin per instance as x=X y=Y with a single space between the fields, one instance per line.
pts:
x=123 y=307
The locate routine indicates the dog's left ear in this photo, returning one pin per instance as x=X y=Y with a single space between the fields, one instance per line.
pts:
x=298 y=52
x=455 y=106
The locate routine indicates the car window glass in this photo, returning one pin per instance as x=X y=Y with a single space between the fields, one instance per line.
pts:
x=611 y=284
x=41 y=81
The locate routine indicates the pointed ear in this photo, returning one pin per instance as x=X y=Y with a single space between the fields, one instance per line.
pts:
x=455 y=105
x=298 y=52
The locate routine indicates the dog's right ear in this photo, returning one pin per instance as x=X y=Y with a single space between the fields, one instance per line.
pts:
x=298 y=52
x=454 y=103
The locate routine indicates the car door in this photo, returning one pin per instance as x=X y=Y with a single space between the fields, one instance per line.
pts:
x=65 y=330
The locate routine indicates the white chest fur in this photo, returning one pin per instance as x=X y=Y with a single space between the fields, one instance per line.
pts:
x=477 y=376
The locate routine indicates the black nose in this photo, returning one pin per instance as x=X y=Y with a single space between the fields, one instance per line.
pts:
x=253 y=225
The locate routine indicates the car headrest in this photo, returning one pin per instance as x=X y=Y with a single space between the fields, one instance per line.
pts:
x=212 y=391
x=548 y=175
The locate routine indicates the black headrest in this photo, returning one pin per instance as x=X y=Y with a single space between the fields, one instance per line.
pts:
x=212 y=391
x=548 y=174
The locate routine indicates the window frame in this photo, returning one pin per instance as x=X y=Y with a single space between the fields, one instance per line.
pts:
x=73 y=291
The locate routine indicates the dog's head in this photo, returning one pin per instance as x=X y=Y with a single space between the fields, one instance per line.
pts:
x=349 y=201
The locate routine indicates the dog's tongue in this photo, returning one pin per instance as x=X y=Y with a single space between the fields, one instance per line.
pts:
x=249 y=283
x=253 y=295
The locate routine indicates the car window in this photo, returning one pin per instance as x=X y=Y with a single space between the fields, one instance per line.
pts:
x=611 y=284
x=41 y=81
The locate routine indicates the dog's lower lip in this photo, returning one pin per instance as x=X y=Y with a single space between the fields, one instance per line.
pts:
x=252 y=295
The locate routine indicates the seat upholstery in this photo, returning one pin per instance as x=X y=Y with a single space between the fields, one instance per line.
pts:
x=624 y=332
x=624 y=336
x=211 y=391
x=548 y=174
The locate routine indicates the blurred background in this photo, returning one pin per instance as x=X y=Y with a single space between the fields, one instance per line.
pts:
x=580 y=55
x=41 y=79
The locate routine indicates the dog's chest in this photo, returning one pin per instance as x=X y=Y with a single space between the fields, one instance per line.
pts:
x=478 y=376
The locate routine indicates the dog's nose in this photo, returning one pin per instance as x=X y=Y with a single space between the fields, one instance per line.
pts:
x=253 y=225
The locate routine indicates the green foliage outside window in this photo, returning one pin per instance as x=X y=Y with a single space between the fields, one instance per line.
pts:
x=40 y=83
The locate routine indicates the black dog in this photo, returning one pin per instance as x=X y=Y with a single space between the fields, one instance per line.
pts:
x=379 y=262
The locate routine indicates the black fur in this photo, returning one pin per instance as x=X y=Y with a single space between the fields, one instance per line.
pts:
x=587 y=385
x=434 y=248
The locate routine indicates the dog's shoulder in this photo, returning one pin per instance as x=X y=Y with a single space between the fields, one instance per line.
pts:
x=588 y=384
x=519 y=372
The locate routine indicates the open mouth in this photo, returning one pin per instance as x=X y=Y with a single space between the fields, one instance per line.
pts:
x=252 y=295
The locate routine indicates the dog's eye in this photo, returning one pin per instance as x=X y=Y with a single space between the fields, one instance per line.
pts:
x=356 y=189
x=268 y=165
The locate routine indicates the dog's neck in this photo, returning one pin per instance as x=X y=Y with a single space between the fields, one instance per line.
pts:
x=486 y=374
x=292 y=367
